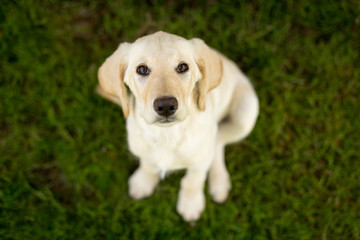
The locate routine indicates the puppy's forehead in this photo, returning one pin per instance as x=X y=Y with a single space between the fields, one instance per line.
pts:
x=160 y=45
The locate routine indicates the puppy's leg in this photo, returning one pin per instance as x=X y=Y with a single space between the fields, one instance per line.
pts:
x=219 y=179
x=237 y=125
x=191 y=200
x=242 y=115
x=143 y=181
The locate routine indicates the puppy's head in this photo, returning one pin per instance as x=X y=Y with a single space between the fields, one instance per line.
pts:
x=165 y=73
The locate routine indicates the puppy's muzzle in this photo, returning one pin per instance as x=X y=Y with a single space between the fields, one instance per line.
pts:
x=165 y=106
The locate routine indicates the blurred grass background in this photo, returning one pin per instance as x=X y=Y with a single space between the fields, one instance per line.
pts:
x=64 y=163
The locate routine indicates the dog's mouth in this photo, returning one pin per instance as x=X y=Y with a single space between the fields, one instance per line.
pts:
x=166 y=121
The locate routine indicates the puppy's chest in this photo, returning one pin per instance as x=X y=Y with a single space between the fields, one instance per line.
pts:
x=172 y=145
x=165 y=149
x=167 y=140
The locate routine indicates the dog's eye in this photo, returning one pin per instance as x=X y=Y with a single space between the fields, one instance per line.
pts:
x=183 y=67
x=143 y=70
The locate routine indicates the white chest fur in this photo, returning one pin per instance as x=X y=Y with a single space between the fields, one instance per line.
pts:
x=181 y=145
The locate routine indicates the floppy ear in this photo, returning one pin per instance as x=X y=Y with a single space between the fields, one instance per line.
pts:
x=111 y=76
x=211 y=68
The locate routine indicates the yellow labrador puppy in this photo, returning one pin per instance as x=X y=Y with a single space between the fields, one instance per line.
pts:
x=186 y=102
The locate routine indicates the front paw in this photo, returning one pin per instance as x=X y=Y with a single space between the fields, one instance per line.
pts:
x=190 y=205
x=219 y=187
x=142 y=184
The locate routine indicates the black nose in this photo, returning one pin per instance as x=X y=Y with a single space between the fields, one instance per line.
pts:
x=165 y=106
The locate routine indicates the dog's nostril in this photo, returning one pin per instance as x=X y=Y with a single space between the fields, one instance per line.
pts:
x=165 y=106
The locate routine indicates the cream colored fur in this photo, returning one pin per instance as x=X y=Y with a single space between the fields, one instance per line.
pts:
x=217 y=105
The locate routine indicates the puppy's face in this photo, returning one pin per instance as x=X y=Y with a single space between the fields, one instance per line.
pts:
x=162 y=73
x=166 y=74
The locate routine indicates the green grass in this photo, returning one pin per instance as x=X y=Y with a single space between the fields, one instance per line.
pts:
x=64 y=162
